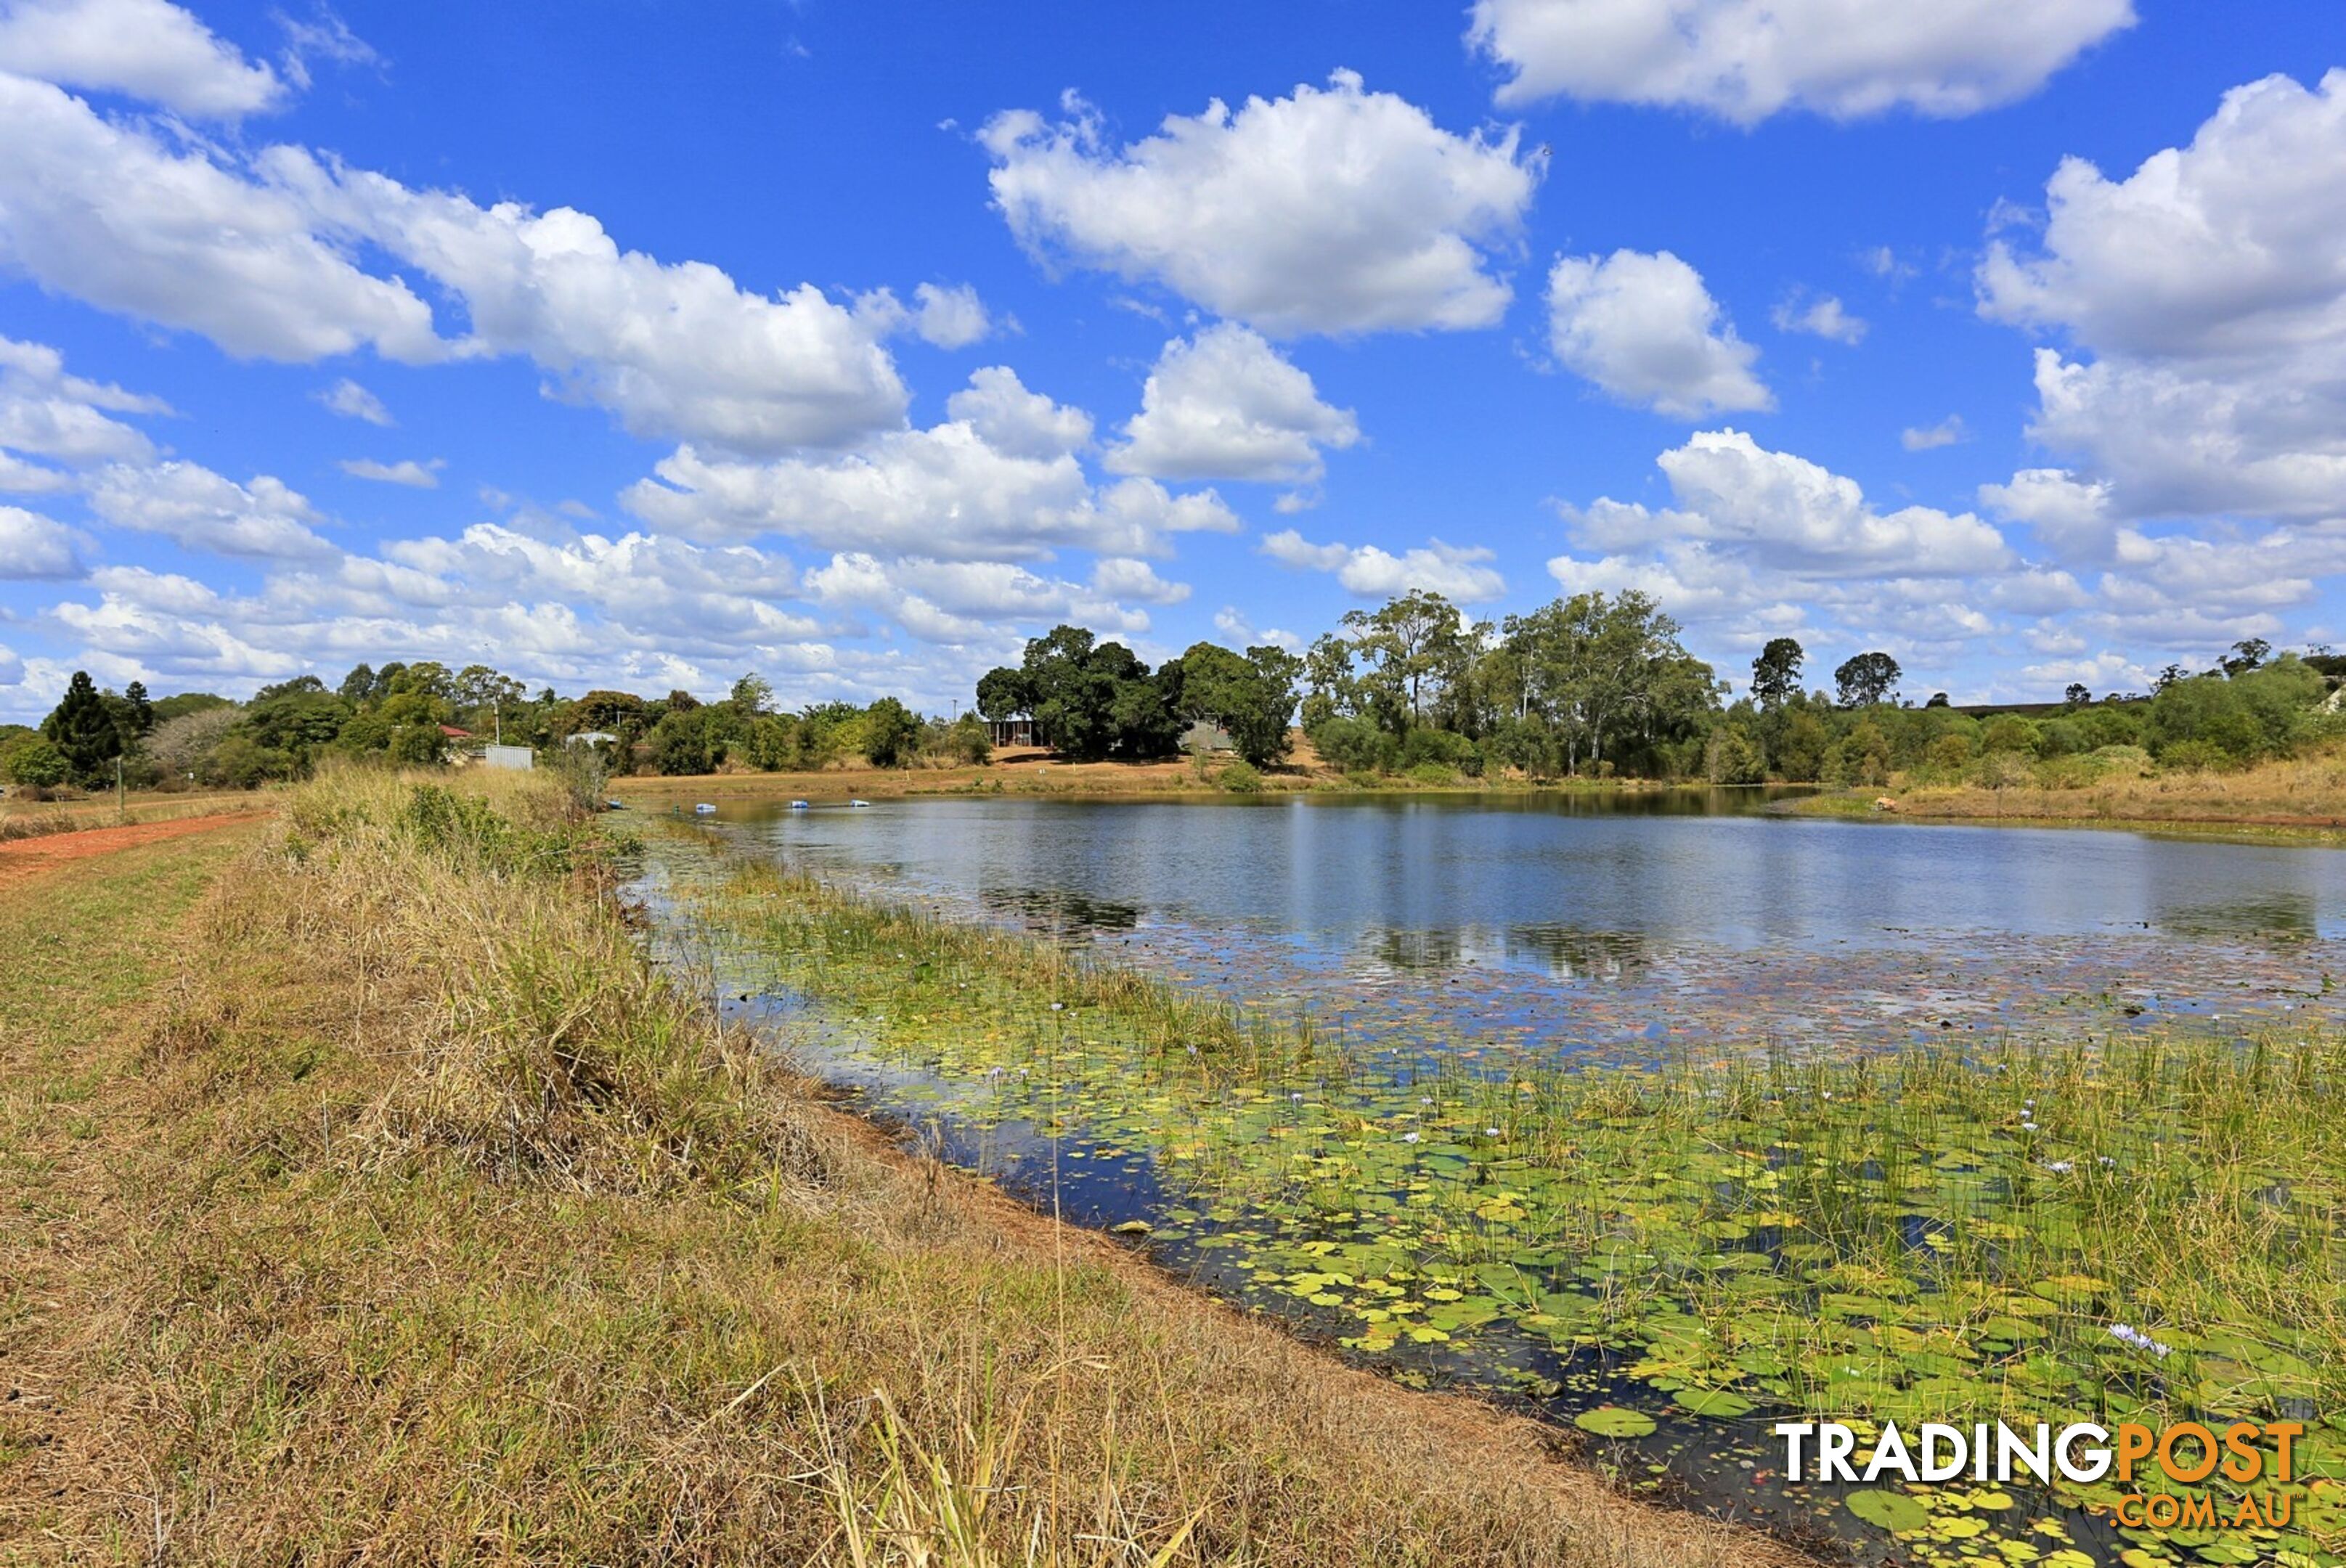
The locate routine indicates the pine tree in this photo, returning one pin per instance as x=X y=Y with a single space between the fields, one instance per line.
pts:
x=84 y=731
x=142 y=711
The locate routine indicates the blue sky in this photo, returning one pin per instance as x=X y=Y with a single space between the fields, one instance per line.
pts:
x=643 y=345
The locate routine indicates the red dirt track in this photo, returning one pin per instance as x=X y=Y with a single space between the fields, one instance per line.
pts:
x=23 y=858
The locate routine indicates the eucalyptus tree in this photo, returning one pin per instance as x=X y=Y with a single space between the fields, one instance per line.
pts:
x=1415 y=649
x=1776 y=673
x=1866 y=680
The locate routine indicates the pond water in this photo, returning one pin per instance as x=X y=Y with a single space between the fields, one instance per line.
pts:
x=1447 y=946
x=1485 y=876
x=1577 y=921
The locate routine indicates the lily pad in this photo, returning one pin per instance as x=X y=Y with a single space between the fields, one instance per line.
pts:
x=1716 y=1403
x=1613 y=1422
x=1892 y=1511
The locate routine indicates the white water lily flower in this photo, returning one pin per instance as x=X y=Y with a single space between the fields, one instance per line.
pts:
x=1409 y=1137
x=1491 y=1132
x=1058 y=1007
x=2059 y=1167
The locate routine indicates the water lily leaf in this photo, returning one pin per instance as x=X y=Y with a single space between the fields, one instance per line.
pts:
x=1891 y=1510
x=1613 y=1422
x=1717 y=1403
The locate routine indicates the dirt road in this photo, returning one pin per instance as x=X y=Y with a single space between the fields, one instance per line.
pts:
x=24 y=857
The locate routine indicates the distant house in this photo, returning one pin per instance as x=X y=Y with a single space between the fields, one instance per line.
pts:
x=1017 y=732
x=453 y=733
x=1205 y=735
x=591 y=737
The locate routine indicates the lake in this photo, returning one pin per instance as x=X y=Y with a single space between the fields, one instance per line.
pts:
x=1583 y=921
x=1460 y=871
x=1461 y=1191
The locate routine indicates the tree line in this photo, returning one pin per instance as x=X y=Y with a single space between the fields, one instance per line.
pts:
x=419 y=714
x=1592 y=685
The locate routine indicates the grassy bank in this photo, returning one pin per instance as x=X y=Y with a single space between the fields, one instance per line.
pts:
x=1935 y=1235
x=2297 y=795
x=379 y=1200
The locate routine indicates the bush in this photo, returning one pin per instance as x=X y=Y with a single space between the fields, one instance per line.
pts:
x=1354 y=745
x=240 y=762
x=1439 y=775
x=2008 y=732
x=2213 y=721
x=891 y=732
x=2002 y=770
x=1443 y=748
x=468 y=831
x=2194 y=756
x=1948 y=756
x=680 y=743
x=964 y=742
x=1734 y=756
x=1240 y=778
x=38 y=765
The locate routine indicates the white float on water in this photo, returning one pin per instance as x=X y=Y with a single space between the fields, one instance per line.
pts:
x=861 y=805
x=798 y=805
x=704 y=809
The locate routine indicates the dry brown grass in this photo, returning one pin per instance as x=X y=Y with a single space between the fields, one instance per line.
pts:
x=397 y=1210
x=2305 y=793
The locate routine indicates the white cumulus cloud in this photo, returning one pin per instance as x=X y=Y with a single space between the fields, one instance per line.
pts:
x=107 y=213
x=407 y=472
x=48 y=412
x=1744 y=60
x=352 y=400
x=1225 y=405
x=1784 y=510
x=950 y=318
x=1370 y=571
x=1329 y=210
x=202 y=510
x=998 y=481
x=2204 y=300
x=1644 y=328
x=32 y=546
x=1821 y=317
x=144 y=49
x=1948 y=431
x=1009 y=418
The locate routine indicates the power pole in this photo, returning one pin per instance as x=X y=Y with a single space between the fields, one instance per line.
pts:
x=120 y=807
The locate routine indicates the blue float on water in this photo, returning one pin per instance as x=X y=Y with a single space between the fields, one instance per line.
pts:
x=798 y=805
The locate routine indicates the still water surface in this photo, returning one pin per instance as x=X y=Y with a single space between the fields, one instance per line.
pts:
x=1575 y=925
x=1704 y=868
